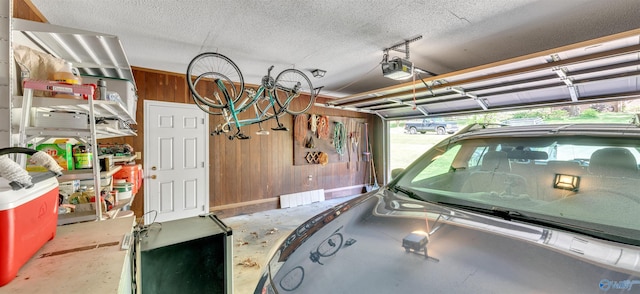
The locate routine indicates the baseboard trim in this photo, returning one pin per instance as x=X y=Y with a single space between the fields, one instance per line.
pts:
x=245 y=203
x=275 y=201
x=343 y=188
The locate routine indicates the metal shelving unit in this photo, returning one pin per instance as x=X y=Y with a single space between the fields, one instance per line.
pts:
x=90 y=135
x=92 y=54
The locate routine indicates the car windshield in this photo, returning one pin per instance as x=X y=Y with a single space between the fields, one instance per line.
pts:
x=588 y=182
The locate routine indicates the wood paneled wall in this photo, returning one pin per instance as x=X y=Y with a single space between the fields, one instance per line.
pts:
x=249 y=175
x=245 y=175
x=24 y=9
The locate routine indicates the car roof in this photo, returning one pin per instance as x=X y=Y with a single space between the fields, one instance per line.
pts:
x=549 y=130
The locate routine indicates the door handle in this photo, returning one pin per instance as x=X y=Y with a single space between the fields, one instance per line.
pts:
x=153 y=177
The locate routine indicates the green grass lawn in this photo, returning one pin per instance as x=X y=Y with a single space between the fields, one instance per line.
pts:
x=606 y=117
x=405 y=148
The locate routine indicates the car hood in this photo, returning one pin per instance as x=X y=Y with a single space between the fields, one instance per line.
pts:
x=357 y=247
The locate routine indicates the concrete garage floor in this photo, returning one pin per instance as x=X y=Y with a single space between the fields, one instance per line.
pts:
x=256 y=234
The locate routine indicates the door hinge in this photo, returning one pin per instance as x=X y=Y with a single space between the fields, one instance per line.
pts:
x=202 y=122
x=202 y=164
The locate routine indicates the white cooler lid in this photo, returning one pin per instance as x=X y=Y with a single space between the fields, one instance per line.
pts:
x=10 y=199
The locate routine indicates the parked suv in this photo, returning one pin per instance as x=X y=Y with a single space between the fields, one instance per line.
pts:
x=438 y=125
x=515 y=209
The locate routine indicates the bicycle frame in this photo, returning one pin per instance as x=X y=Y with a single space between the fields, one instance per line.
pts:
x=218 y=70
x=230 y=113
x=232 y=108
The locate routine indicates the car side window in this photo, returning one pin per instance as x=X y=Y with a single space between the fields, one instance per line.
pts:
x=439 y=165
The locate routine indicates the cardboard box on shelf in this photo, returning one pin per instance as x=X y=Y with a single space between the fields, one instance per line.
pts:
x=61 y=152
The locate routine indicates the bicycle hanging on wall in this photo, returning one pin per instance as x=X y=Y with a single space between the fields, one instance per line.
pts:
x=216 y=82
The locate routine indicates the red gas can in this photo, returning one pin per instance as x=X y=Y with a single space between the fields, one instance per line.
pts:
x=28 y=219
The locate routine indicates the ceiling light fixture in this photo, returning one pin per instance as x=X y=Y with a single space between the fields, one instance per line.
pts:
x=318 y=73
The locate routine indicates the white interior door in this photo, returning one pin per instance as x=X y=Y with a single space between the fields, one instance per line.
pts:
x=175 y=161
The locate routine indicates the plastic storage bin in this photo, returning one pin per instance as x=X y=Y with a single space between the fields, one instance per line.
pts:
x=124 y=190
x=62 y=120
x=28 y=219
x=131 y=174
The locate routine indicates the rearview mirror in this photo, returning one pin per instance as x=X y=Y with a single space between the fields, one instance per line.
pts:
x=395 y=172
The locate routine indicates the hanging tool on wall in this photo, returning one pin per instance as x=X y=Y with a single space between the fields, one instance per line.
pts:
x=375 y=185
x=366 y=153
x=355 y=144
x=339 y=136
x=365 y=158
x=300 y=128
x=349 y=141
x=310 y=144
x=323 y=127
x=313 y=124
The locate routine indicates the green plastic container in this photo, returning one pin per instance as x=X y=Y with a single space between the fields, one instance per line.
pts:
x=83 y=160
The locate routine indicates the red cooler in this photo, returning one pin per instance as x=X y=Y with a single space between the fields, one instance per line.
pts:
x=28 y=219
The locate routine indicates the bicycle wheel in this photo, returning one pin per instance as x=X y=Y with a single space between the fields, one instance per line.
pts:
x=294 y=91
x=205 y=69
x=203 y=105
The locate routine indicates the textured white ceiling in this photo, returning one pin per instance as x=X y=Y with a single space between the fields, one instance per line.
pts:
x=345 y=38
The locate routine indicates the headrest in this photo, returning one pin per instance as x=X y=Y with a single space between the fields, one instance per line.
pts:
x=496 y=161
x=613 y=162
x=528 y=155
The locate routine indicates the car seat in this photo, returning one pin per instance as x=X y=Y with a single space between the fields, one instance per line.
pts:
x=495 y=175
x=613 y=162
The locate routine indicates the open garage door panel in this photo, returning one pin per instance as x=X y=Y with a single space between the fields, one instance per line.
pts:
x=604 y=69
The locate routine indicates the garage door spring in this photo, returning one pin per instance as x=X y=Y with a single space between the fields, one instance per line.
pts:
x=339 y=137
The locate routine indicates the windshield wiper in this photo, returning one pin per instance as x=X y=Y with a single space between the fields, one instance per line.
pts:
x=514 y=215
x=406 y=191
x=510 y=215
x=494 y=211
x=507 y=214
